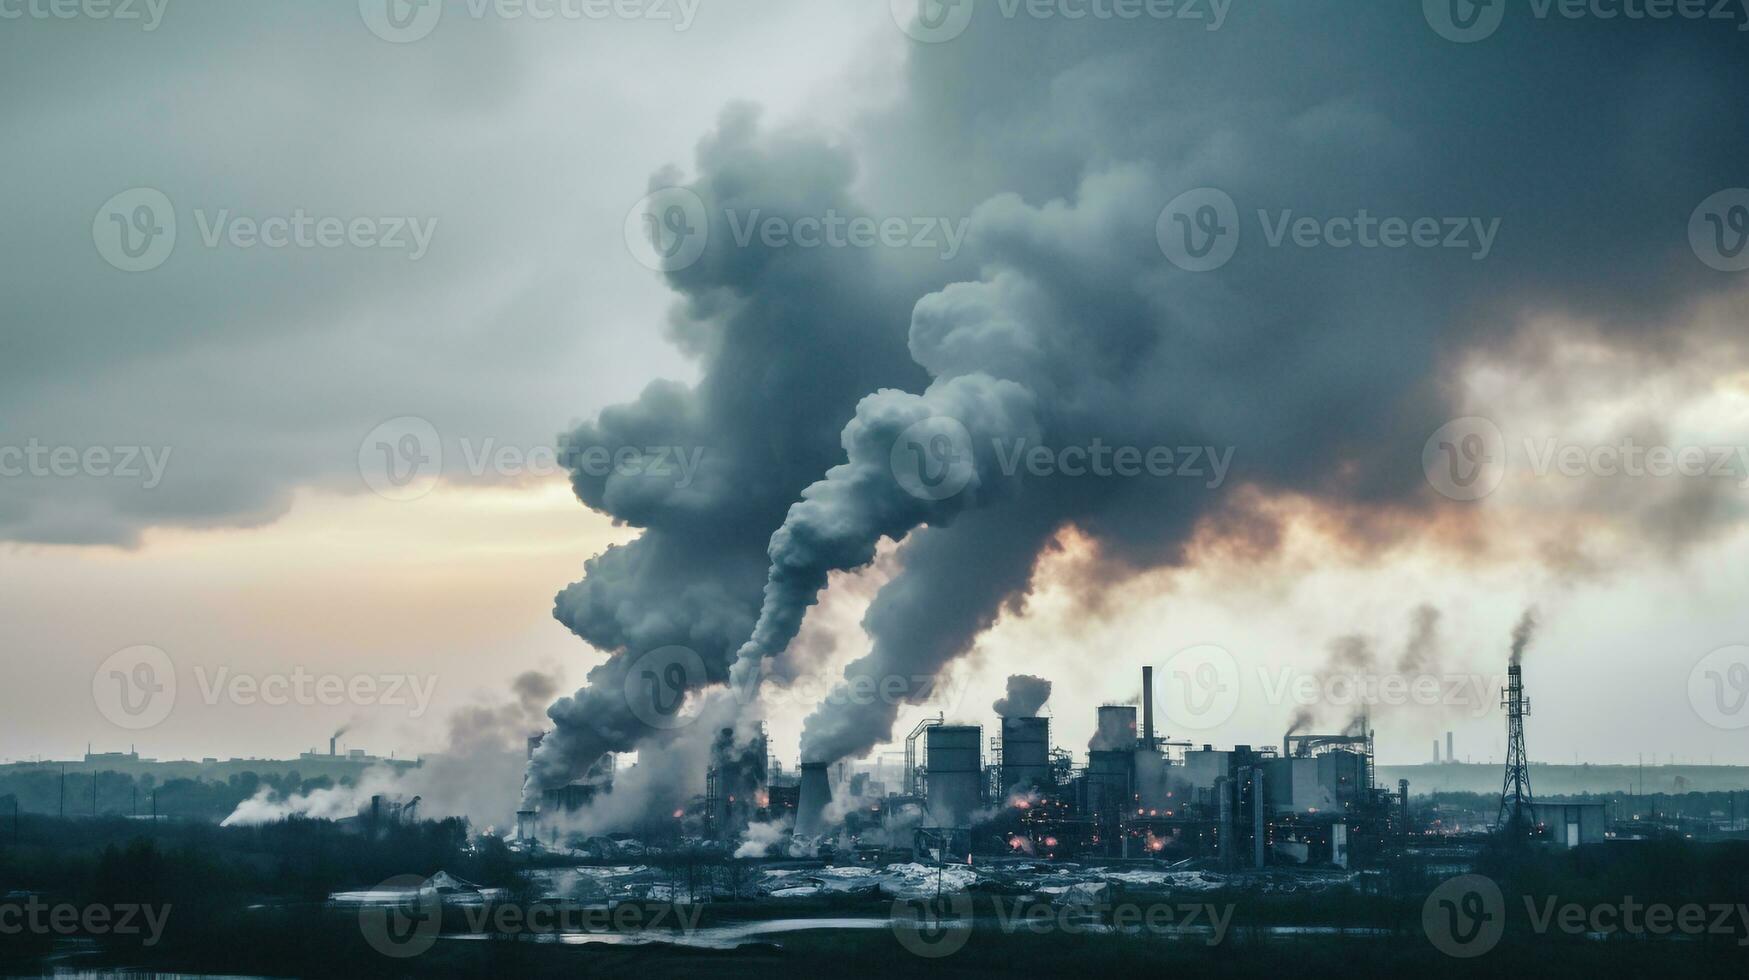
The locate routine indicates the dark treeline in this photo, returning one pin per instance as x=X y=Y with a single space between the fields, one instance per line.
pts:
x=43 y=791
x=262 y=884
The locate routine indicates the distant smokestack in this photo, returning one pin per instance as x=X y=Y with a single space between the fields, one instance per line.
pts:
x=1147 y=706
x=816 y=793
x=333 y=741
x=1449 y=757
x=1436 y=751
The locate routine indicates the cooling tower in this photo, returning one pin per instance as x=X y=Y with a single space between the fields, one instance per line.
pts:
x=1025 y=753
x=955 y=767
x=816 y=794
x=1116 y=729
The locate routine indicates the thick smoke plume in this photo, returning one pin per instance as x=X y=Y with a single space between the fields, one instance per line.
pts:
x=850 y=397
x=1522 y=633
x=1026 y=694
x=477 y=775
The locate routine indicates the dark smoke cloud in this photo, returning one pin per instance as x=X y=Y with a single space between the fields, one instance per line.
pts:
x=1522 y=633
x=1324 y=369
x=1026 y=694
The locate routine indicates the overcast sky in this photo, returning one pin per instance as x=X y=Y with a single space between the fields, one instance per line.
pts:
x=480 y=173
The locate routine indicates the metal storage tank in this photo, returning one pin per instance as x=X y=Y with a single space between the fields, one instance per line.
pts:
x=1026 y=755
x=955 y=764
x=816 y=793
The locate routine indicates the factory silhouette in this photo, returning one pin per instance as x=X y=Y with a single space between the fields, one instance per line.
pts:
x=964 y=792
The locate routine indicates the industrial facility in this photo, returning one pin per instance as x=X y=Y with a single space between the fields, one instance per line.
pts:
x=964 y=791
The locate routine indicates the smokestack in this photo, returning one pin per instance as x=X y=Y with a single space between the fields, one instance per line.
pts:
x=333 y=741
x=1449 y=757
x=1147 y=706
x=1436 y=751
x=816 y=793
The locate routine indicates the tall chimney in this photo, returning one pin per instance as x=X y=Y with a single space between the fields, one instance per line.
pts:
x=1449 y=757
x=1147 y=706
x=332 y=742
x=1436 y=751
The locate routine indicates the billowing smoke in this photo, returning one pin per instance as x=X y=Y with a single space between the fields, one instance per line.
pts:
x=1522 y=633
x=974 y=410
x=477 y=775
x=1026 y=694
x=762 y=838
